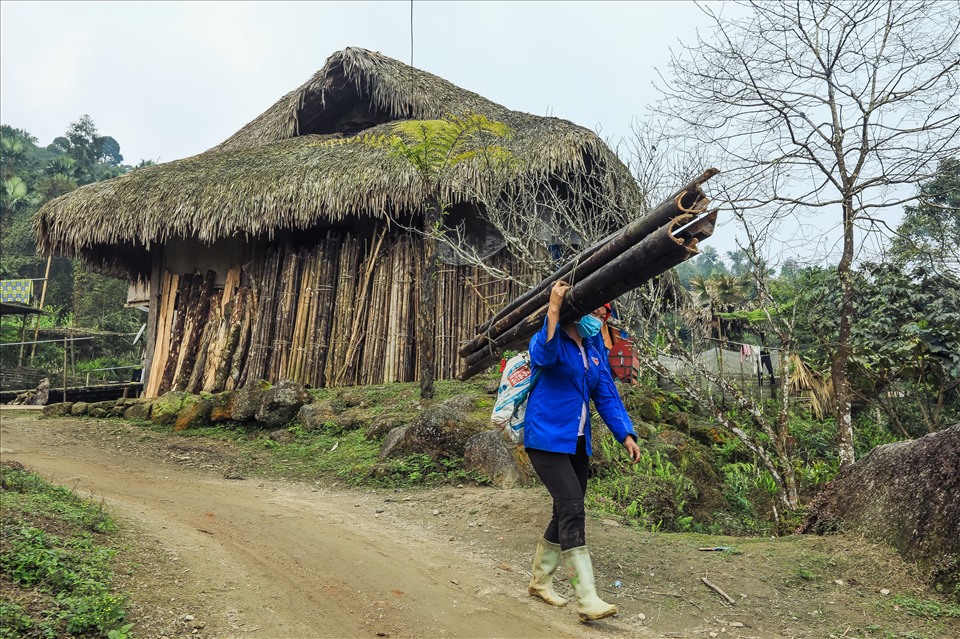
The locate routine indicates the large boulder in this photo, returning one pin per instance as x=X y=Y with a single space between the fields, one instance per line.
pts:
x=489 y=455
x=79 y=409
x=280 y=404
x=440 y=431
x=905 y=495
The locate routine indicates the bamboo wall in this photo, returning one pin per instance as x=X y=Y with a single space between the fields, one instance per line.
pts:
x=342 y=312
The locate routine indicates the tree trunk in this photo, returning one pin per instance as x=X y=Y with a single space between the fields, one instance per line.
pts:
x=841 y=358
x=427 y=342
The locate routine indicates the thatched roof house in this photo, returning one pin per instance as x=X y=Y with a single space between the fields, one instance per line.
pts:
x=259 y=251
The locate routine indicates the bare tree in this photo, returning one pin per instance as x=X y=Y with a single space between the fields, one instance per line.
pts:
x=822 y=106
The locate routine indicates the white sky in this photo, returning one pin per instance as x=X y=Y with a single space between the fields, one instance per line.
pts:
x=171 y=79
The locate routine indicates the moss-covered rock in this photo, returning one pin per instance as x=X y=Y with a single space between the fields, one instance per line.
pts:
x=195 y=413
x=671 y=439
x=353 y=419
x=489 y=455
x=678 y=419
x=101 y=409
x=644 y=430
x=905 y=495
x=165 y=408
x=79 y=409
x=220 y=407
x=61 y=409
x=642 y=405
x=441 y=430
x=139 y=412
x=706 y=433
x=280 y=404
x=316 y=417
x=245 y=401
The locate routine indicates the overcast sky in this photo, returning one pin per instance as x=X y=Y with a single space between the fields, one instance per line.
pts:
x=171 y=79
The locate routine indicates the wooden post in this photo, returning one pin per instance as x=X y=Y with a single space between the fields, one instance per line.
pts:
x=43 y=299
x=64 y=368
x=23 y=338
x=155 y=298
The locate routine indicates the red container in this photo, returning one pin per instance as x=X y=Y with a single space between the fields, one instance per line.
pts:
x=622 y=359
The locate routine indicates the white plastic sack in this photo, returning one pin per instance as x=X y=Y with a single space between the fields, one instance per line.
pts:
x=508 y=412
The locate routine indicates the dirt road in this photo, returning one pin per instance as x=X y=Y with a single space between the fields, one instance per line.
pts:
x=217 y=555
x=249 y=558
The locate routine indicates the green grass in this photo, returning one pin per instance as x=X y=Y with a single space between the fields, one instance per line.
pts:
x=55 y=562
x=926 y=608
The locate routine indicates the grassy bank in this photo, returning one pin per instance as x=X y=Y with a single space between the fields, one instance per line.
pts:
x=56 y=560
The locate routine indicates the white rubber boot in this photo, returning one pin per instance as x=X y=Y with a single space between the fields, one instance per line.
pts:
x=590 y=607
x=545 y=563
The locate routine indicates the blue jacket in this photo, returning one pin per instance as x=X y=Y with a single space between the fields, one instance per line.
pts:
x=563 y=387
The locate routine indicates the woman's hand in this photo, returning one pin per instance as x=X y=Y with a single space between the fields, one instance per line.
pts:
x=557 y=294
x=632 y=449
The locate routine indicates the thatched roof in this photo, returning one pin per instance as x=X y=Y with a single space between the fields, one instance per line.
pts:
x=277 y=173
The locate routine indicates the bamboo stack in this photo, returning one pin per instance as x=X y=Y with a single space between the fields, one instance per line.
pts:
x=640 y=251
x=340 y=312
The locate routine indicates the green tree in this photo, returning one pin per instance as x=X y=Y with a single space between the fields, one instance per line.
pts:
x=907 y=346
x=434 y=148
x=930 y=230
x=97 y=156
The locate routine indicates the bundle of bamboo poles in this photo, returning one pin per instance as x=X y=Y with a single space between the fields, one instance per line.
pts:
x=621 y=262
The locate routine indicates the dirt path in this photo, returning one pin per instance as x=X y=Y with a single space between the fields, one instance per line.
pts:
x=222 y=556
x=264 y=559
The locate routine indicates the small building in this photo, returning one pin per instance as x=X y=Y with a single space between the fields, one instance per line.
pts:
x=288 y=252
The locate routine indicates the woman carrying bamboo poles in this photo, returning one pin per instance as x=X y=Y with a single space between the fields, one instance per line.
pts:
x=557 y=440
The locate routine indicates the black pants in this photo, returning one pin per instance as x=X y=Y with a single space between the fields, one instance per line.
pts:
x=565 y=476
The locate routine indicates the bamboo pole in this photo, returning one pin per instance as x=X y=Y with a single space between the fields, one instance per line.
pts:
x=325 y=309
x=238 y=361
x=167 y=301
x=358 y=306
x=688 y=199
x=655 y=254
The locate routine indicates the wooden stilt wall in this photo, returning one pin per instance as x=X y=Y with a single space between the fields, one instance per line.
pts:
x=339 y=313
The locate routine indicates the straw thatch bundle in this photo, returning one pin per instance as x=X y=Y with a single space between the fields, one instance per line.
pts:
x=803 y=381
x=277 y=172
